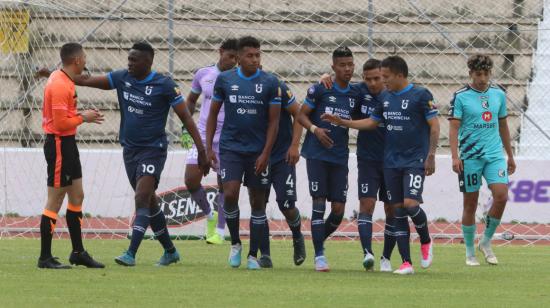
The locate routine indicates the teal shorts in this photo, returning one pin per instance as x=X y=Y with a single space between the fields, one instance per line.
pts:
x=494 y=170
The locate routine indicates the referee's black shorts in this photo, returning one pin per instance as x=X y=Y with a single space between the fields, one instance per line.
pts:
x=63 y=160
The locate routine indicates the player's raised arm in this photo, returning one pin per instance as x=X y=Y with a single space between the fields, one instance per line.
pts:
x=98 y=82
x=363 y=124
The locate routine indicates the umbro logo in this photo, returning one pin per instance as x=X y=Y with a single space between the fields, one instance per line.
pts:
x=332 y=99
x=414 y=192
x=127 y=84
x=386 y=104
x=368 y=97
x=234 y=87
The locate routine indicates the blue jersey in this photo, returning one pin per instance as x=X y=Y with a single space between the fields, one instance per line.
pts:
x=144 y=106
x=479 y=113
x=370 y=143
x=246 y=102
x=405 y=114
x=342 y=102
x=284 y=136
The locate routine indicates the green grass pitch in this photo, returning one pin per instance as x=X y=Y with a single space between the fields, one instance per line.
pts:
x=203 y=278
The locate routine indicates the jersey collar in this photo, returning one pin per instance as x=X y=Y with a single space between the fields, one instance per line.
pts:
x=240 y=73
x=476 y=90
x=148 y=78
x=405 y=90
x=337 y=88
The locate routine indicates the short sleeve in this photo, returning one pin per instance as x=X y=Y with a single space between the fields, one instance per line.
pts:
x=115 y=78
x=219 y=90
x=287 y=97
x=378 y=112
x=173 y=92
x=455 y=110
x=275 y=92
x=428 y=105
x=196 y=83
x=312 y=97
x=60 y=96
x=502 y=110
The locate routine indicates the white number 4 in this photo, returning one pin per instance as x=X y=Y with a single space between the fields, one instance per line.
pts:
x=290 y=181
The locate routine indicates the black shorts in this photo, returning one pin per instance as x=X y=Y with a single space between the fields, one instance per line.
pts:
x=327 y=180
x=63 y=160
x=144 y=161
x=370 y=180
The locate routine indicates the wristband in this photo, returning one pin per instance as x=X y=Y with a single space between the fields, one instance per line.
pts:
x=312 y=128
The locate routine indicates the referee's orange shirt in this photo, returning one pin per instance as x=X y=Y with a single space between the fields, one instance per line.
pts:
x=60 y=98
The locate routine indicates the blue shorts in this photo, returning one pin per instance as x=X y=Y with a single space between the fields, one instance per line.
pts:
x=493 y=170
x=240 y=167
x=143 y=161
x=283 y=179
x=404 y=183
x=327 y=180
x=370 y=180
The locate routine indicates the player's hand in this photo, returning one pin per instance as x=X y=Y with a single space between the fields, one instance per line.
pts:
x=511 y=166
x=457 y=165
x=92 y=116
x=322 y=135
x=261 y=163
x=429 y=165
x=332 y=118
x=204 y=162
x=326 y=81
x=211 y=156
x=42 y=73
x=293 y=155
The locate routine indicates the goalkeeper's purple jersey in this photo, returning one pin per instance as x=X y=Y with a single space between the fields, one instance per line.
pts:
x=203 y=83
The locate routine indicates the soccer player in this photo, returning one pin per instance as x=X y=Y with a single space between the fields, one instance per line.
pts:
x=284 y=156
x=144 y=98
x=60 y=120
x=203 y=83
x=326 y=149
x=370 y=166
x=478 y=127
x=252 y=106
x=412 y=133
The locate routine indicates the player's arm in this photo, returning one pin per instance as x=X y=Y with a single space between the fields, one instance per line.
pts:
x=187 y=120
x=293 y=154
x=429 y=165
x=191 y=101
x=363 y=124
x=272 y=130
x=504 y=132
x=98 y=82
x=211 y=125
x=320 y=133
x=454 y=125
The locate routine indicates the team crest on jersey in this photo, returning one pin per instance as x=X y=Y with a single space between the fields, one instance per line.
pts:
x=148 y=90
x=177 y=90
x=404 y=104
x=259 y=88
x=485 y=102
x=351 y=102
x=431 y=104
x=234 y=87
x=332 y=99
x=289 y=93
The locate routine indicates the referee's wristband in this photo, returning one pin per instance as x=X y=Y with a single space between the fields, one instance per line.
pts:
x=312 y=128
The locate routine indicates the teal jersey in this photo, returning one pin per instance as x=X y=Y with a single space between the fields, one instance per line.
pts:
x=479 y=113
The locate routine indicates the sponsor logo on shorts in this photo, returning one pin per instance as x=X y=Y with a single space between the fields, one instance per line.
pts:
x=290 y=192
x=414 y=192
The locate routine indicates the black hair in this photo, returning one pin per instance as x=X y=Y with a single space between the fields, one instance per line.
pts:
x=144 y=47
x=229 y=44
x=69 y=51
x=248 y=41
x=341 y=52
x=480 y=63
x=396 y=64
x=371 y=64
